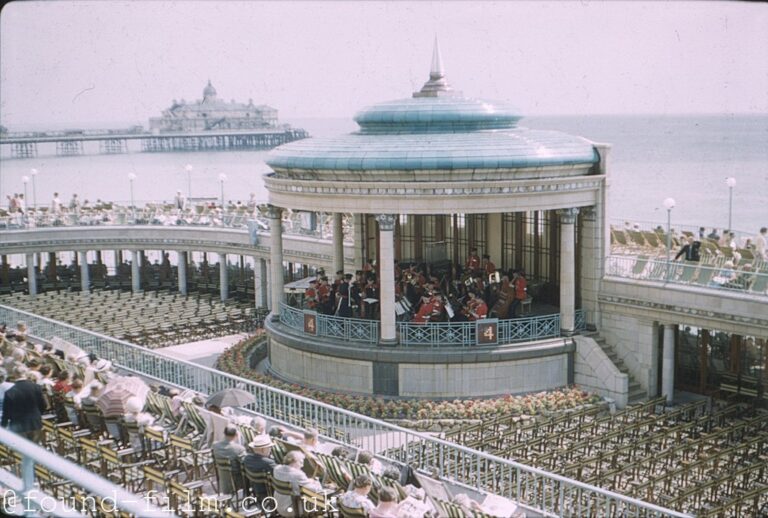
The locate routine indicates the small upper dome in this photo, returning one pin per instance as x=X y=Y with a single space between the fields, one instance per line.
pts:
x=209 y=91
x=448 y=114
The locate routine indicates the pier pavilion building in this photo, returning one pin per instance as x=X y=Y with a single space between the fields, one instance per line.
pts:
x=212 y=113
x=443 y=172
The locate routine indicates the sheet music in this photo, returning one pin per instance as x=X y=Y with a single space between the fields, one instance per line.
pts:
x=499 y=506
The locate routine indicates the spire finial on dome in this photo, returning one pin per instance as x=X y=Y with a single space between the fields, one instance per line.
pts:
x=437 y=85
x=436 y=72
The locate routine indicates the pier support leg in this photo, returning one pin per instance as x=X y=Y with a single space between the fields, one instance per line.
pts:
x=135 y=274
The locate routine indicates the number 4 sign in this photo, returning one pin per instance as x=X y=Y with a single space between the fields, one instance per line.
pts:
x=310 y=323
x=487 y=331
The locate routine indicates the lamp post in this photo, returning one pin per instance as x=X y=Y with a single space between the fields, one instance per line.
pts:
x=131 y=178
x=222 y=179
x=188 y=169
x=731 y=183
x=25 y=181
x=33 y=172
x=669 y=204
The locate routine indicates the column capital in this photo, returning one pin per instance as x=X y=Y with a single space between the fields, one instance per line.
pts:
x=568 y=216
x=272 y=211
x=589 y=213
x=386 y=221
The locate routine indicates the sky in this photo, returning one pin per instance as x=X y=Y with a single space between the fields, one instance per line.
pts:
x=84 y=63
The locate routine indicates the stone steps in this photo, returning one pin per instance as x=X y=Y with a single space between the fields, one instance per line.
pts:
x=636 y=392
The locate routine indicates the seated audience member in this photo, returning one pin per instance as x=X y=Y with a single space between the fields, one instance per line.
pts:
x=467 y=505
x=259 y=425
x=357 y=496
x=94 y=392
x=387 y=507
x=45 y=380
x=279 y=432
x=393 y=473
x=260 y=461
x=17 y=357
x=76 y=393
x=309 y=442
x=34 y=370
x=291 y=471
x=365 y=457
x=134 y=414
x=340 y=453
x=62 y=385
x=229 y=448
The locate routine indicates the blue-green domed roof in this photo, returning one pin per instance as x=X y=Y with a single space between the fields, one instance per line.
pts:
x=436 y=114
x=435 y=130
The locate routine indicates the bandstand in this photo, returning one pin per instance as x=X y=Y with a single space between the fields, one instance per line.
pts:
x=443 y=170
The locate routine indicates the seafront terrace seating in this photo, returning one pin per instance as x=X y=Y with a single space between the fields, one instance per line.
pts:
x=469 y=470
x=234 y=215
x=151 y=319
x=713 y=273
x=699 y=458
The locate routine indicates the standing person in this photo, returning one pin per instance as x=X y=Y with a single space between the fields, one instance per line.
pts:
x=180 y=201
x=521 y=291
x=4 y=386
x=760 y=243
x=343 y=309
x=23 y=407
x=56 y=204
x=74 y=204
x=690 y=250
x=21 y=205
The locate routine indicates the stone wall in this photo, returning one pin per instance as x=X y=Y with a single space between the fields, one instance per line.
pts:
x=595 y=372
x=636 y=342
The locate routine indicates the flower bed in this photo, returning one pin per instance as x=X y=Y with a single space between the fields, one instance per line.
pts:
x=235 y=360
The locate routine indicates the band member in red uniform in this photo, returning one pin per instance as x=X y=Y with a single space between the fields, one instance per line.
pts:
x=473 y=261
x=356 y=294
x=371 y=291
x=310 y=296
x=476 y=309
x=521 y=291
x=488 y=265
x=431 y=309
x=325 y=302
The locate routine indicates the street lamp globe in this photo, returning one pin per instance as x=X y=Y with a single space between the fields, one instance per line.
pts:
x=33 y=171
x=188 y=168
x=25 y=180
x=669 y=203
x=131 y=176
x=730 y=182
x=222 y=177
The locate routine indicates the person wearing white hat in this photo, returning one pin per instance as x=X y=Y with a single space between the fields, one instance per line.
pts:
x=259 y=461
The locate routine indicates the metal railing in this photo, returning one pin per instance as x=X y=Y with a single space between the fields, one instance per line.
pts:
x=21 y=494
x=165 y=214
x=688 y=273
x=428 y=334
x=328 y=326
x=554 y=495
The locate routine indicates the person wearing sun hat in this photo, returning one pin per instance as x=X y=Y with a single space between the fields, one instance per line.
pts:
x=259 y=461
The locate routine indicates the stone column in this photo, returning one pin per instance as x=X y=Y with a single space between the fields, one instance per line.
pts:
x=357 y=220
x=338 y=242
x=135 y=274
x=85 y=278
x=182 y=269
x=260 y=282
x=223 y=277
x=277 y=275
x=567 y=271
x=387 y=274
x=31 y=275
x=590 y=248
x=668 y=364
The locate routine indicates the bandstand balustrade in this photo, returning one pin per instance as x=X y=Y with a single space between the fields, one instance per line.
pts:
x=429 y=334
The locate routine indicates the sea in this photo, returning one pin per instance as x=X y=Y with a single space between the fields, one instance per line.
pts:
x=687 y=158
